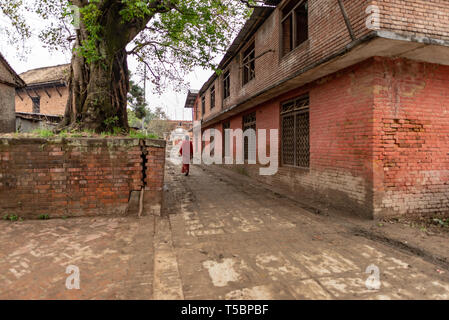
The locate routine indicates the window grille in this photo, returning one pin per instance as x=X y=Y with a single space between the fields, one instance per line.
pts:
x=296 y=132
x=249 y=122
x=226 y=137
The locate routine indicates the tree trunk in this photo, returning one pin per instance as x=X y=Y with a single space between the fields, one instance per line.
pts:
x=98 y=90
x=98 y=94
x=106 y=99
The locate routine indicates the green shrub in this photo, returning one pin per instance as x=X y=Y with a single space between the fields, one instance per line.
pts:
x=44 y=133
x=141 y=135
x=63 y=134
x=11 y=217
x=110 y=122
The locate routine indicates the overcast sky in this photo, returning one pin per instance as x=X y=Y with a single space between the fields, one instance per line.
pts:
x=172 y=102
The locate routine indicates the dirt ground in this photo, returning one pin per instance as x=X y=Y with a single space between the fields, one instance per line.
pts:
x=223 y=236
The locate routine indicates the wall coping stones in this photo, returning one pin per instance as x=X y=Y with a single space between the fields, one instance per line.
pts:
x=81 y=141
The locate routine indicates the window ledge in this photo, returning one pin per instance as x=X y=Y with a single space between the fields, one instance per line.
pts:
x=295 y=167
x=250 y=81
x=295 y=50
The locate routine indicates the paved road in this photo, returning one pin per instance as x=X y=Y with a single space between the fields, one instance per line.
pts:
x=114 y=257
x=223 y=236
x=234 y=239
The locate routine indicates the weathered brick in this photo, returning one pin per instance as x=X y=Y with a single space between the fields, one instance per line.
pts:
x=79 y=183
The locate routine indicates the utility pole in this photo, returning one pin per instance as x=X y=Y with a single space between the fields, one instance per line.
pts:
x=145 y=83
x=144 y=92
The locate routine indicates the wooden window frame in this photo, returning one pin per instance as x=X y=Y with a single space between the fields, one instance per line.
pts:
x=203 y=105
x=36 y=104
x=293 y=26
x=226 y=84
x=212 y=97
x=249 y=63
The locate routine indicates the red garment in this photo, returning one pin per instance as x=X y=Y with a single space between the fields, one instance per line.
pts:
x=185 y=168
x=186 y=155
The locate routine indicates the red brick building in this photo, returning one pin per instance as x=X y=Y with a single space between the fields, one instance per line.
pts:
x=359 y=91
x=46 y=91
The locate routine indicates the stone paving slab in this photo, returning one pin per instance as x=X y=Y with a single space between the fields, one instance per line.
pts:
x=114 y=256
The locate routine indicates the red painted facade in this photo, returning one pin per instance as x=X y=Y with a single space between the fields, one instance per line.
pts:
x=379 y=128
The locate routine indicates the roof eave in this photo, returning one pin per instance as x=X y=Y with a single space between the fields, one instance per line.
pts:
x=19 y=83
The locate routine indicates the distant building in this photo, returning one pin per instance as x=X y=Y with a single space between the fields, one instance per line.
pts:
x=9 y=82
x=177 y=135
x=41 y=103
x=192 y=100
x=46 y=91
x=168 y=127
x=186 y=125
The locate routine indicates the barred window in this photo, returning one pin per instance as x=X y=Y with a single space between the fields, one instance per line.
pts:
x=249 y=122
x=203 y=144
x=226 y=137
x=212 y=145
x=295 y=132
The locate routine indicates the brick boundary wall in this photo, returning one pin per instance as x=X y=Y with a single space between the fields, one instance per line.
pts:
x=80 y=176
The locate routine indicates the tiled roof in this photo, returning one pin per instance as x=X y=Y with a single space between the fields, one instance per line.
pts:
x=54 y=74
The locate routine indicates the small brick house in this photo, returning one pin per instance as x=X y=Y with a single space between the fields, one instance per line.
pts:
x=9 y=82
x=46 y=91
x=359 y=91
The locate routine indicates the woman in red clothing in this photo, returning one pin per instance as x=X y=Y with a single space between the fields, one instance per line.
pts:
x=186 y=151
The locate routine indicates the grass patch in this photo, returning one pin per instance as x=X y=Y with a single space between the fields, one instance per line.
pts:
x=44 y=217
x=11 y=217
x=116 y=132
x=441 y=222
x=81 y=134
x=44 y=133
x=63 y=134
x=141 y=135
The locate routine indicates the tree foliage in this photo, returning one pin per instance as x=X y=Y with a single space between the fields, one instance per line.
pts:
x=136 y=100
x=157 y=122
x=169 y=37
